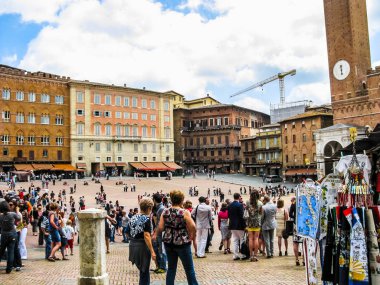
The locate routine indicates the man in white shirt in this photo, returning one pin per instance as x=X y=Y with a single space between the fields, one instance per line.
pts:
x=203 y=219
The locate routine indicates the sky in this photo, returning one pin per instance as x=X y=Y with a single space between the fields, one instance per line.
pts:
x=194 y=47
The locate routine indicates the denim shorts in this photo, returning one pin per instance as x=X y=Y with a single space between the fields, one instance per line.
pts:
x=55 y=236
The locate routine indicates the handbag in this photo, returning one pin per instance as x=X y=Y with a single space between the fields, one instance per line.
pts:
x=245 y=214
x=289 y=227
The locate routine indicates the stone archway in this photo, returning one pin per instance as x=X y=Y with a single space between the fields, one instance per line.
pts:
x=328 y=151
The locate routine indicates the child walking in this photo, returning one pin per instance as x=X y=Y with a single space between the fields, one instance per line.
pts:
x=69 y=230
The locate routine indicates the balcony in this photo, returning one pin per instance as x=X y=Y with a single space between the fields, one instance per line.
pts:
x=127 y=138
x=20 y=159
x=210 y=128
x=210 y=161
x=214 y=146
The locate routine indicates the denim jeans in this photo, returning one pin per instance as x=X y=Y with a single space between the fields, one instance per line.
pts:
x=47 y=239
x=144 y=277
x=125 y=237
x=17 y=256
x=184 y=253
x=268 y=236
x=112 y=235
x=160 y=255
x=8 y=241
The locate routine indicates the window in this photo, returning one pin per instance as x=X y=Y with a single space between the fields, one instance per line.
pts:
x=20 y=117
x=108 y=158
x=119 y=158
x=167 y=133
x=227 y=152
x=135 y=116
x=80 y=129
x=144 y=117
x=212 y=153
x=126 y=130
x=135 y=158
x=5 y=139
x=45 y=98
x=211 y=122
x=154 y=158
x=145 y=147
x=286 y=126
x=144 y=130
x=97 y=147
x=304 y=158
x=145 y=158
x=5 y=151
x=97 y=99
x=32 y=118
x=314 y=157
x=135 y=131
x=32 y=97
x=152 y=104
x=204 y=140
x=118 y=101
x=107 y=114
x=126 y=115
x=286 y=140
x=267 y=143
x=205 y=153
x=287 y=158
x=108 y=130
x=59 y=120
x=167 y=158
x=259 y=143
x=144 y=103
x=260 y=156
x=45 y=153
x=80 y=112
x=226 y=121
x=219 y=121
x=294 y=139
x=20 y=96
x=20 y=139
x=293 y=125
x=80 y=97
x=154 y=147
x=313 y=122
x=108 y=147
x=303 y=123
x=153 y=117
x=59 y=99
x=166 y=106
x=97 y=113
x=119 y=147
x=118 y=130
x=45 y=119
x=108 y=99
x=166 y=118
x=314 y=137
x=135 y=147
x=167 y=148
x=45 y=140
x=80 y=147
x=295 y=158
x=134 y=102
x=31 y=140
x=275 y=141
x=304 y=137
x=6 y=94
x=219 y=139
x=97 y=129
x=211 y=140
x=126 y=101
x=59 y=141
x=80 y=158
x=118 y=115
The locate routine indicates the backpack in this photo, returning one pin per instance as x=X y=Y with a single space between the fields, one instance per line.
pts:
x=195 y=214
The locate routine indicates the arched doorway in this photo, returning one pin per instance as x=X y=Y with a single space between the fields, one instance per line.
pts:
x=328 y=151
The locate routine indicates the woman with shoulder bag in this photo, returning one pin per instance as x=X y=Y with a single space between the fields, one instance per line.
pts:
x=253 y=209
x=282 y=216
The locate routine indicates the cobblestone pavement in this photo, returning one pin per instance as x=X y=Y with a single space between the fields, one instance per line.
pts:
x=217 y=268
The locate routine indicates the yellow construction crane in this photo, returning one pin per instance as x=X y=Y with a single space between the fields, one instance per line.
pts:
x=279 y=76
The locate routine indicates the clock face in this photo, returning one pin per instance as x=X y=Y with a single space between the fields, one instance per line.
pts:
x=341 y=69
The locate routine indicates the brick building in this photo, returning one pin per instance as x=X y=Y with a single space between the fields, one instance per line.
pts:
x=116 y=128
x=262 y=154
x=210 y=136
x=35 y=124
x=355 y=87
x=298 y=142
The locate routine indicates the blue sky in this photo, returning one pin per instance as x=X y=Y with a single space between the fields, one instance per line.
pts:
x=194 y=47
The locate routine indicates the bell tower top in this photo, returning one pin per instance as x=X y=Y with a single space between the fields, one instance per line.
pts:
x=348 y=47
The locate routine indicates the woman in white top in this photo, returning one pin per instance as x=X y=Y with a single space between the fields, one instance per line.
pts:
x=282 y=216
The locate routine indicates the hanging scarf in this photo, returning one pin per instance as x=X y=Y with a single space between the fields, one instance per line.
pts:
x=343 y=250
x=373 y=249
x=328 y=257
x=310 y=247
x=358 y=249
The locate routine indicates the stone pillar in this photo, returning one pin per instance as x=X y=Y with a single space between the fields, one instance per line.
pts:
x=92 y=248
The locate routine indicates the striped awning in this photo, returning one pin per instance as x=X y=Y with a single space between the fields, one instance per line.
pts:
x=138 y=165
x=63 y=167
x=109 y=164
x=42 y=166
x=172 y=165
x=23 y=167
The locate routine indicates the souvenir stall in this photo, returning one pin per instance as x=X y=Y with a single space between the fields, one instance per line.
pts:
x=349 y=224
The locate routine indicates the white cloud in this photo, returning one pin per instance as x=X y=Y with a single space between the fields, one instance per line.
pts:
x=254 y=104
x=9 y=59
x=319 y=93
x=140 y=44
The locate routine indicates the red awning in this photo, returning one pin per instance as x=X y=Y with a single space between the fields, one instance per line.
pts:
x=172 y=165
x=301 y=171
x=109 y=164
x=138 y=165
x=121 y=164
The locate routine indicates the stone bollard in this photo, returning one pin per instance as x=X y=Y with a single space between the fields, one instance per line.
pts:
x=92 y=248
